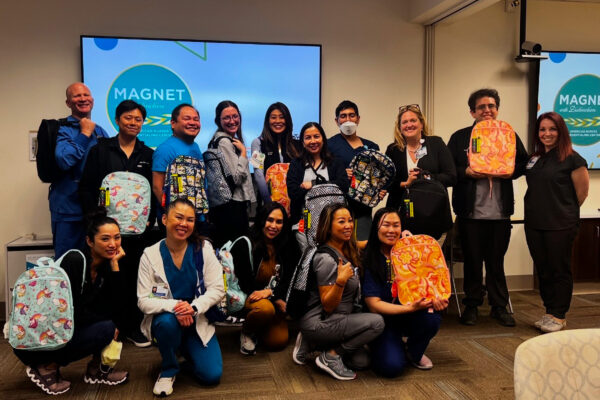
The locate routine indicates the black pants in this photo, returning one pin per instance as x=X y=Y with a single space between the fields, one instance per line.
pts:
x=551 y=253
x=86 y=340
x=230 y=221
x=484 y=241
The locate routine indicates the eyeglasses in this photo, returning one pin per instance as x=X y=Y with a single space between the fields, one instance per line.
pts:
x=482 y=107
x=228 y=118
x=409 y=107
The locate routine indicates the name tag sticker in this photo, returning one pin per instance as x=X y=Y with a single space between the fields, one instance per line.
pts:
x=258 y=159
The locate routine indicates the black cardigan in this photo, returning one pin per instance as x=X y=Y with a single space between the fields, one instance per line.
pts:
x=463 y=194
x=295 y=176
x=101 y=300
x=438 y=162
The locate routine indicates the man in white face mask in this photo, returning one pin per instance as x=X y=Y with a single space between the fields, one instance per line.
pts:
x=345 y=145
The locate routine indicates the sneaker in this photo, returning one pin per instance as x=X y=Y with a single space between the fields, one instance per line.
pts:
x=301 y=349
x=425 y=363
x=247 y=344
x=231 y=321
x=138 y=339
x=538 y=324
x=503 y=317
x=553 y=324
x=100 y=373
x=50 y=382
x=469 y=316
x=334 y=366
x=163 y=387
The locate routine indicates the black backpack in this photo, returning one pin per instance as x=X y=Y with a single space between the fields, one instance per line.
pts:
x=45 y=160
x=425 y=208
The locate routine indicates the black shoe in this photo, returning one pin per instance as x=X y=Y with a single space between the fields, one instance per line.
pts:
x=469 y=316
x=503 y=317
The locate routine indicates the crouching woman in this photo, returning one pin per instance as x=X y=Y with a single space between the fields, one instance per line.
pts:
x=179 y=280
x=417 y=322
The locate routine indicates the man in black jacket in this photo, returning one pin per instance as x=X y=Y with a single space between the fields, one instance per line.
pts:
x=483 y=216
x=124 y=152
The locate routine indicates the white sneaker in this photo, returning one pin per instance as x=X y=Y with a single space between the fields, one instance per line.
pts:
x=247 y=344
x=300 y=351
x=163 y=386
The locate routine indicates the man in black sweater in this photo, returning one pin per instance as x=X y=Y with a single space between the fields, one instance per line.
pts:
x=483 y=216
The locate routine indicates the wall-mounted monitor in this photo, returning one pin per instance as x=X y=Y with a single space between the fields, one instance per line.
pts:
x=162 y=73
x=569 y=83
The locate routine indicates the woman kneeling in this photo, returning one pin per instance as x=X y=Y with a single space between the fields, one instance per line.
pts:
x=418 y=322
x=331 y=322
x=179 y=280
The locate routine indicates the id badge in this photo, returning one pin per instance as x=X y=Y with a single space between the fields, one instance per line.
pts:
x=160 y=290
x=422 y=152
x=532 y=162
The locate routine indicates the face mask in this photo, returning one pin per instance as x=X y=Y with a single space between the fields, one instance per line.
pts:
x=348 y=128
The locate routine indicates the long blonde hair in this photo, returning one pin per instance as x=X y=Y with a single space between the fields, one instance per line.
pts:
x=399 y=140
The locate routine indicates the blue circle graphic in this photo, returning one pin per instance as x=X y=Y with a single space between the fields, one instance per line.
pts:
x=557 y=58
x=106 y=43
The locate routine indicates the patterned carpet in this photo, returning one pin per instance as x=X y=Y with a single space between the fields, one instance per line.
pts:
x=470 y=363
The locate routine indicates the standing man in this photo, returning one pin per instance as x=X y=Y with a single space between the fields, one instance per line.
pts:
x=483 y=218
x=72 y=145
x=345 y=145
x=185 y=123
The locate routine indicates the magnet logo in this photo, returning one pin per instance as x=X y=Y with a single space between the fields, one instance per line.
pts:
x=158 y=89
x=578 y=101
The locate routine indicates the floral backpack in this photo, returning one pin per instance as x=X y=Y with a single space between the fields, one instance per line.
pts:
x=493 y=148
x=372 y=172
x=418 y=270
x=42 y=313
x=185 y=178
x=276 y=179
x=126 y=197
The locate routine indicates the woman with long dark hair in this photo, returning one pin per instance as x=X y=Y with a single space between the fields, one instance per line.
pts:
x=96 y=306
x=274 y=145
x=274 y=255
x=332 y=322
x=418 y=322
x=231 y=219
x=557 y=185
x=315 y=165
x=180 y=279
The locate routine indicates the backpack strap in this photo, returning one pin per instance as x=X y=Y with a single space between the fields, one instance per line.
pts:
x=199 y=263
x=57 y=263
x=214 y=143
x=229 y=245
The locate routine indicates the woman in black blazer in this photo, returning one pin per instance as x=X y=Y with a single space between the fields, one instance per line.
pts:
x=416 y=153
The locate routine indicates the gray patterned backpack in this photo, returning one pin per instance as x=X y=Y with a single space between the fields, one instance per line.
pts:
x=315 y=201
x=372 y=172
x=219 y=180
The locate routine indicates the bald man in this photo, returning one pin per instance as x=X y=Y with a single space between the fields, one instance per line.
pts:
x=72 y=145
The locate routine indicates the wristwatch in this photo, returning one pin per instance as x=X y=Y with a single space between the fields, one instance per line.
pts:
x=195 y=310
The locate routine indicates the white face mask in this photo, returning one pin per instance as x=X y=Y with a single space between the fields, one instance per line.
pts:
x=348 y=128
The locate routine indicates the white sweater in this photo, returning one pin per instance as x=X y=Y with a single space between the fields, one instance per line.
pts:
x=152 y=273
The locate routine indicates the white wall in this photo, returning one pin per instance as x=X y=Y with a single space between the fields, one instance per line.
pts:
x=370 y=55
x=478 y=51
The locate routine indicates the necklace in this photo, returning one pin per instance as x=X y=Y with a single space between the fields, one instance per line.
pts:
x=413 y=151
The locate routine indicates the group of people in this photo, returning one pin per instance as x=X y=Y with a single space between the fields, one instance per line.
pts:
x=168 y=287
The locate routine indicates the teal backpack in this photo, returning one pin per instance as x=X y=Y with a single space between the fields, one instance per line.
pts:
x=42 y=313
x=126 y=197
x=235 y=298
